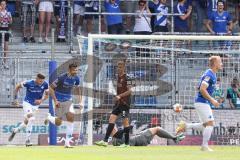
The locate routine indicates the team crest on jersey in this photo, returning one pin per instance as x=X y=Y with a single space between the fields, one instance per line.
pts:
x=207 y=78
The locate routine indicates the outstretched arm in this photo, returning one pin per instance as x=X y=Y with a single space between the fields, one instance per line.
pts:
x=15 y=94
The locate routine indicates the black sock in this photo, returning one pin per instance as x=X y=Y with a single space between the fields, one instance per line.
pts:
x=126 y=134
x=165 y=134
x=119 y=134
x=109 y=131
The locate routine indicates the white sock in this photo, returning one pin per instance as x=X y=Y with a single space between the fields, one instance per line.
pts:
x=51 y=119
x=28 y=130
x=69 y=131
x=207 y=132
x=21 y=126
x=29 y=127
x=197 y=126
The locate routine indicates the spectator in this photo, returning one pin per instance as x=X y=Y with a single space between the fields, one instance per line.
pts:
x=180 y=22
x=221 y=22
x=5 y=21
x=91 y=6
x=18 y=8
x=29 y=15
x=57 y=11
x=201 y=12
x=114 y=22
x=78 y=11
x=129 y=7
x=46 y=10
x=188 y=3
x=237 y=12
x=218 y=93
x=152 y=5
x=233 y=94
x=142 y=21
x=161 y=18
x=212 y=6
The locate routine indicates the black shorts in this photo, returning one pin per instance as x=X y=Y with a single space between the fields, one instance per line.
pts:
x=57 y=11
x=122 y=110
x=160 y=29
x=6 y=35
x=115 y=29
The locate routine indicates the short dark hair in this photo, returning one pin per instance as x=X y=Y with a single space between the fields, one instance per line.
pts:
x=72 y=65
x=220 y=1
x=40 y=76
x=142 y=1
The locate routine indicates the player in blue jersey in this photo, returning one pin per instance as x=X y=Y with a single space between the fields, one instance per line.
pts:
x=61 y=91
x=202 y=102
x=35 y=89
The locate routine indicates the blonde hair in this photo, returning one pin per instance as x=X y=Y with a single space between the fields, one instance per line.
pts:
x=212 y=60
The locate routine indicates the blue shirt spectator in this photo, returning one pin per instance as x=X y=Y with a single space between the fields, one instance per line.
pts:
x=161 y=19
x=180 y=22
x=212 y=6
x=114 y=22
x=152 y=5
x=221 y=21
x=112 y=6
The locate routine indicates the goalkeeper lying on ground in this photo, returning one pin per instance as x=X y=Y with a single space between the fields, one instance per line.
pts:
x=143 y=138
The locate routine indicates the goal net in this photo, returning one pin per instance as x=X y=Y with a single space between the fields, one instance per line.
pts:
x=163 y=70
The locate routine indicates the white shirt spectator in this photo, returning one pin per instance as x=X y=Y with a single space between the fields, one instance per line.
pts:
x=142 y=22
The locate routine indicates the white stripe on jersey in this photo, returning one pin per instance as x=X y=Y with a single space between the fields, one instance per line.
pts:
x=163 y=10
x=179 y=10
x=206 y=83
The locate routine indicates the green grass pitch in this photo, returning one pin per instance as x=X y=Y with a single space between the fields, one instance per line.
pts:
x=114 y=153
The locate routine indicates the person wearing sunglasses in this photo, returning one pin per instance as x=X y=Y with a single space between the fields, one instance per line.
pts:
x=142 y=20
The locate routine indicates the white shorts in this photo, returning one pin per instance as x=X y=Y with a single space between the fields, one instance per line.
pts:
x=77 y=9
x=204 y=112
x=45 y=7
x=29 y=109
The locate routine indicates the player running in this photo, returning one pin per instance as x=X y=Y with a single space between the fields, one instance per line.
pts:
x=122 y=106
x=203 y=101
x=145 y=137
x=35 y=89
x=61 y=92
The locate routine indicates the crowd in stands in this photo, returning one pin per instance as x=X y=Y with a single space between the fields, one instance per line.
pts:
x=215 y=16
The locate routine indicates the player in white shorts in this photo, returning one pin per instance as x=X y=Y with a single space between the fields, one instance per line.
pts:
x=35 y=89
x=202 y=103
